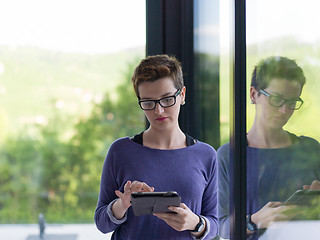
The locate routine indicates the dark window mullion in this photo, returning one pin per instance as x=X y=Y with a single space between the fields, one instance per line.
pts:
x=238 y=124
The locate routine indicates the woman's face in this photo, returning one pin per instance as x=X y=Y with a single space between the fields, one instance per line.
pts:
x=161 y=118
x=268 y=115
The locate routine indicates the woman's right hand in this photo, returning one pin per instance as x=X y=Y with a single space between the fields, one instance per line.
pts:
x=120 y=207
x=315 y=185
x=270 y=213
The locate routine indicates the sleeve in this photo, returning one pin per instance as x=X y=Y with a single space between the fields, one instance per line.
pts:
x=103 y=216
x=314 y=154
x=112 y=217
x=312 y=147
x=223 y=192
x=210 y=201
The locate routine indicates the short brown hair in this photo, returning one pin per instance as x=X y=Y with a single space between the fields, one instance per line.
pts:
x=155 y=67
x=276 y=67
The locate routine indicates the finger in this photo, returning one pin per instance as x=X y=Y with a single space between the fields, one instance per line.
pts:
x=119 y=194
x=315 y=185
x=306 y=187
x=183 y=206
x=147 y=188
x=151 y=189
x=137 y=186
x=163 y=215
x=275 y=204
x=178 y=210
x=168 y=216
x=269 y=204
x=127 y=187
x=280 y=217
x=286 y=208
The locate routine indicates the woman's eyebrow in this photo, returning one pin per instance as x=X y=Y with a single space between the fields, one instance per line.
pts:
x=280 y=95
x=162 y=96
x=276 y=94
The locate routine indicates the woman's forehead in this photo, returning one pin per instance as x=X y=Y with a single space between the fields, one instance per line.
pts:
x=158 y=88
x=285 y=87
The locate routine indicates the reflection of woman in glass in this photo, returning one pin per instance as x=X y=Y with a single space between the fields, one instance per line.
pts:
x=162 y=158
x=278 y=162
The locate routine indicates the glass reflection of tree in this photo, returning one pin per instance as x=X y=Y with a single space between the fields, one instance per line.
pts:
x=206 y=71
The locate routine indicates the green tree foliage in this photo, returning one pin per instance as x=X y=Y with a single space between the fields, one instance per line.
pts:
x=60 y=176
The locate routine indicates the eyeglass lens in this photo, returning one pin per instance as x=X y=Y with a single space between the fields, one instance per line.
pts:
x=164 y=102
x=279 y=102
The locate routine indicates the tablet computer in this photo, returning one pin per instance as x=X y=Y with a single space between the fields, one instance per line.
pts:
x=144 y=203
x=303 y=197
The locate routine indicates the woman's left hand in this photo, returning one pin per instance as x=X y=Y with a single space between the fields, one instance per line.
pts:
x=185 y=219
x=315 y=185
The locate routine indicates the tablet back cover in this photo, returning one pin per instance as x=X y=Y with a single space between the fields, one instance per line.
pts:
x=153 y=204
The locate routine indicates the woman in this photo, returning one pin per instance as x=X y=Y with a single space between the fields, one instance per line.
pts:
x=162 y=158
x=277 y=163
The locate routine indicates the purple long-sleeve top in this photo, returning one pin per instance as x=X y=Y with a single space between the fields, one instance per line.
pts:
x=190 y=171
x=272 y=175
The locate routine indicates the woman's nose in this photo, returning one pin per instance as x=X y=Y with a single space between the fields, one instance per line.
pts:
x=158 y=109
x=284 y=109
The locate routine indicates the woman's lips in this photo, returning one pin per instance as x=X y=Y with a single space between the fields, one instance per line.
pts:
x=283 y=117
x=161 y=119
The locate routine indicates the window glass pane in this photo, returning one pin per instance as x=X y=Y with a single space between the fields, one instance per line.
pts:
x=225 y=66
x=226 y=61
x=211 y=71
x=206 y=71
x=65 y=95
x=283 y=149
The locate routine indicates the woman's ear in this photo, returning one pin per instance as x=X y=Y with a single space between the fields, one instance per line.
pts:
x=253 y=95
x=183 y=95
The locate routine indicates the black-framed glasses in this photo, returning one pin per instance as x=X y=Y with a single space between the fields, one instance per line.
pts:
x=277 y=101
x=164 y=102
